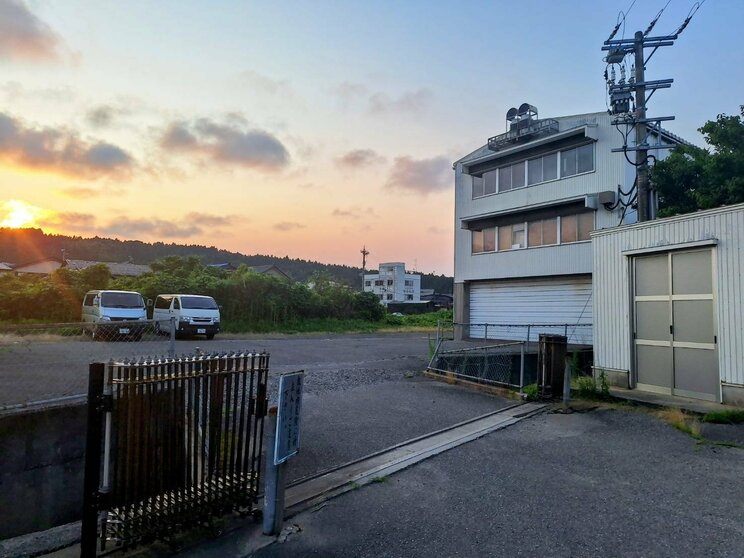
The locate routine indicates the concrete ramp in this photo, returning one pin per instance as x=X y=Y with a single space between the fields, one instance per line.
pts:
x=328 y=484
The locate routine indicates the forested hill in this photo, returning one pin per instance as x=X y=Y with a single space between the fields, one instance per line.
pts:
x=24 y=245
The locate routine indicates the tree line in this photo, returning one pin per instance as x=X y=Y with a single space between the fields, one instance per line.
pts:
x=21 y=245
x=249 y=300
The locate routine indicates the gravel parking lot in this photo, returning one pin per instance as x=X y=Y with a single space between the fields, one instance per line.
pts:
x=46 y=370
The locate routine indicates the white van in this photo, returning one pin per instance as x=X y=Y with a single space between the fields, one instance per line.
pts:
x=194 y=314
x=105 y=308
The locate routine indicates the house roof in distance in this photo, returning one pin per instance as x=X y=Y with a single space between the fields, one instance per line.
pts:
x=118 y=269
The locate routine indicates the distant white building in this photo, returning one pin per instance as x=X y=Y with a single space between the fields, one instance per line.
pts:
x=392 y=284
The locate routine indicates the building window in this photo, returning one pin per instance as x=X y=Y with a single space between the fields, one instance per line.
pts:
x=409 y=297
x=389 y=281
x=409 y=283
x=542 y=169
x=378 y=283
x=477 y=186
x=367 y=283
x=390 y=297
x=484 y=240
x=381 y=296
x=542 y=232
x=575 y=228
x=577 y=160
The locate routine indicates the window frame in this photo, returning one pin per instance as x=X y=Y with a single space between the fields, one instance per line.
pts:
x=559 y=153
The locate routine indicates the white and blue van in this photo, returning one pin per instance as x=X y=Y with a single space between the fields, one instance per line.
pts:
x=113 y=313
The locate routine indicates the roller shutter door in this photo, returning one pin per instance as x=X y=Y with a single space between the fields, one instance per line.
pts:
x=566 y=300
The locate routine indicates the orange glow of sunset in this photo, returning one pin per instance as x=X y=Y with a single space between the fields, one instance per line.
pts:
x=17 y=214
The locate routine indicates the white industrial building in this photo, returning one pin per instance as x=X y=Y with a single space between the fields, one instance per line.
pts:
x=668 y=305
x=391 y=283
x=525 y=205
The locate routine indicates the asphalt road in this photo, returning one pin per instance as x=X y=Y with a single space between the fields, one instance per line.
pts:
x=40 y=370
x=603 y=483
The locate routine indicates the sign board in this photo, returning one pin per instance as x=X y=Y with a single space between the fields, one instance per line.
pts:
x=287 y=436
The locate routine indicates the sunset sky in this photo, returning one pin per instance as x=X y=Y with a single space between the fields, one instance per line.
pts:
x=307 y=128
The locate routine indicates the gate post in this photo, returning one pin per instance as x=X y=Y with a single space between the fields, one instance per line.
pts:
x=89 y=530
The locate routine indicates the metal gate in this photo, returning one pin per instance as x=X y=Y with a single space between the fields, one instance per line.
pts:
x=675 y=325
x=172 y=443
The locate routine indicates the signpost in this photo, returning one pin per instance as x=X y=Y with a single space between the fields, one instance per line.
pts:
x=286 y=444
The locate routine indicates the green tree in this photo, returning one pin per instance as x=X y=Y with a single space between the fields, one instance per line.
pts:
x=692 y=178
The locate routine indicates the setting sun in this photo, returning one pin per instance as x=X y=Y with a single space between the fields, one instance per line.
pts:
x=17 y=214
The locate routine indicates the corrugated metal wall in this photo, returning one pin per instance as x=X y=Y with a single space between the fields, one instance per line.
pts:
x=611 y=285
x=560 y=300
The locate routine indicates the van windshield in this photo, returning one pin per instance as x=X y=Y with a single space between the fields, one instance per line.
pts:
x=122 y=300
x=198 y=302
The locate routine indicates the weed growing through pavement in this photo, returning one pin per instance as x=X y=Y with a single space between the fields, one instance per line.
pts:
x=589 y=387
x=378 y=480
x=681 y=421
x=530 y=392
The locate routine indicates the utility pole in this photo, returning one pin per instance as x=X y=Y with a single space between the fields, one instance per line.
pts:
x=621 y=100
x=364 y=253
x=641 y=157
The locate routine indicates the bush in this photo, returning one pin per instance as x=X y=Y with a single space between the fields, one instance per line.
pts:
x=589 y=387
x=731 y=416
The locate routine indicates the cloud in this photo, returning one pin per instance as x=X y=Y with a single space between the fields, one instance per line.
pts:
x=195 y=225
x=353 y=213
x=413 y=102
x=208 y=220
x=104 y=115
x=227 y=143
x=23 y=36
x=347 y=92
x=285 y=226
x=59 y=151
x=421 y=176
x=15 y=91
x=125 y=226
x=80 y=192
x=266 y=85
x=359 y=158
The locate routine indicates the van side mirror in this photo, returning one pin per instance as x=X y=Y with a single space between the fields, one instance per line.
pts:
x=149 y=302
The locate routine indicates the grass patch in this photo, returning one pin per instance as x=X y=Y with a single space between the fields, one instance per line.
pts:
x=378 y=480
x=589 y=387
x=729 y=416
x=530 y=392
x=682 y=421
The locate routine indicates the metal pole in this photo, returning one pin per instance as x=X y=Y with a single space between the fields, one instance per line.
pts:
x=521 y=369
x=485 y=332
x=567 y=383
x=92 y=479
x=273 y=512
x=172 y=341
x=640 y=130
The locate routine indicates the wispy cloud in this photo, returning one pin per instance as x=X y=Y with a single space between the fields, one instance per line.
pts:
x=286 y=226
x=23 y=36
x=104 y=116
x=412 y=102
x=15 y=90
x=80 y=192
x=232 y=143
x=59 y=151
x=353 y=213
x=359 y=158
x=266 y=85
x=420 y=176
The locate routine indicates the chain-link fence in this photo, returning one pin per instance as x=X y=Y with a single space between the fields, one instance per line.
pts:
x=501 y=364
x=501 y=354
x=44 y=363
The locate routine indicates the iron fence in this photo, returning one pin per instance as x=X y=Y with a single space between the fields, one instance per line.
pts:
x=172 y=443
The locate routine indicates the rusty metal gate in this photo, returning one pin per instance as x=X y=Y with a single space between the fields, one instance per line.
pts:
x=172 y=443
